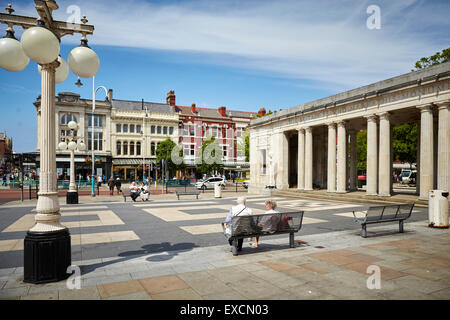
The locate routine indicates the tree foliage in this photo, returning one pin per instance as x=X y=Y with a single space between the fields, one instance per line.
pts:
x=361 y=147
x=437 y=58
x=164 y=152
x=214 y=153
x=404 y=142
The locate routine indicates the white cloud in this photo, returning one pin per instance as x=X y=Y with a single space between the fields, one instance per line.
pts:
x=324 y=41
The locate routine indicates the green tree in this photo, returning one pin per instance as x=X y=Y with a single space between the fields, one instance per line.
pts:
x=243 y=148
x=164 y=152
x=361 y=147
x=210 y=159
x=404 y=142
x=437 y=58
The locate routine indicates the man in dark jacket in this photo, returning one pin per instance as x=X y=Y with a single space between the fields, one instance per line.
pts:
x=118 y=185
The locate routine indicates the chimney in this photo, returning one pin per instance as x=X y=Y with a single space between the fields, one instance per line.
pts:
x=194 y=110
x=171 y=98
x=262 y=112
x=110 y=95
x=223 y=111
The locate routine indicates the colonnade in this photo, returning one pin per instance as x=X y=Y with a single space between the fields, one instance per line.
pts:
x=342 y=154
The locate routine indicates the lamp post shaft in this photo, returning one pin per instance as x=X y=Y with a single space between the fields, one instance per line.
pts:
x=92 y=136
x=48 y=215
x=72 y=187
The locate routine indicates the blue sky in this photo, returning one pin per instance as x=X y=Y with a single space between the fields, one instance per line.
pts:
x=240 y=54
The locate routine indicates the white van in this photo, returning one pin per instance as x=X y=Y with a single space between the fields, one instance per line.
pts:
x=408 y=176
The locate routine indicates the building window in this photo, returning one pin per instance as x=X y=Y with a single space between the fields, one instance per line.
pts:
x=152 y=148
x=224 y=150
x=125 y=148
x=118 y=128
x=132 y=148
x=138 y=129
x=138 y=148
x=165 y=130
x=191 y=130
x=171 y=130
x=131 y=128
x=238 y=132
x=153 y=129
x=98 y=141
x=214 y=132
x=118 y=148
x=98 y=121
x=125 y=128
x=224 y=132
x=158 y=130
x=67 y=117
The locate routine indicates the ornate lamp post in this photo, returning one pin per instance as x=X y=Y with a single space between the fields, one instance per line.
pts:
x=47 y=251
x=72 y=145
x=143 y=142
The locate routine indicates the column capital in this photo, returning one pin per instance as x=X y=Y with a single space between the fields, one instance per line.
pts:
x=52 y=65
x=384 y=115
x=341 y=123
x=442 y=104
x=425 y=107
x=371 y=117
x=331 y=124
x=299 y=129
x=308 y=129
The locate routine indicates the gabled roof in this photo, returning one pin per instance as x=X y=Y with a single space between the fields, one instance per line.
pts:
x=213 y=113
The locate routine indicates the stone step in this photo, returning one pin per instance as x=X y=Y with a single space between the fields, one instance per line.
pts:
x=347 y=197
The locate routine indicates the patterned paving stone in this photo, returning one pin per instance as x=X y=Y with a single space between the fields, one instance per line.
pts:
x=163 y=284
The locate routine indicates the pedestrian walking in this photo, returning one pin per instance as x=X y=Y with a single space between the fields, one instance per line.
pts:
x=118 y=186
x=111 y=185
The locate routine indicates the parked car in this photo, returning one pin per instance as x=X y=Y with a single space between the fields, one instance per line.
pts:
x=245 y=183
x=408 y=176
x=209 y=183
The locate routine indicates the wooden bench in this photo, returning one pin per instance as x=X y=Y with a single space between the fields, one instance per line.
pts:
x=379 y=214
x=183 y=193
x=262 y=225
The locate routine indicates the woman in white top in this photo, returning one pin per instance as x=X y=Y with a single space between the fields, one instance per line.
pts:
x=267 y=224
x=144 y=192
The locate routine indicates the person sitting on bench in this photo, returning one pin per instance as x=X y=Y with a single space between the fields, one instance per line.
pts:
x=144 y=192
x=239 y=210
x=268 y=224
x=134 y=191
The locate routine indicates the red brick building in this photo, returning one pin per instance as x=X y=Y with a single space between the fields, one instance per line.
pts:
x=197 y=124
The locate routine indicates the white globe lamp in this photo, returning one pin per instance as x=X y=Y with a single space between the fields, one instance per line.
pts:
x=83 y=61
x=72 y=145
x=40 y=44
x=81 y=146
x=12 y=56
x=62 y=72
x=72 y=125
x=62 y=146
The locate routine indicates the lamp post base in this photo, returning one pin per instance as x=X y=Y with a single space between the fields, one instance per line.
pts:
x=72 y=197
x=46 y=256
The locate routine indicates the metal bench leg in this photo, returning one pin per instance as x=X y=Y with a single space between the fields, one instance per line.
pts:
x=234 y=247
x=291 y=240
x=400 y=226
x=364 y=231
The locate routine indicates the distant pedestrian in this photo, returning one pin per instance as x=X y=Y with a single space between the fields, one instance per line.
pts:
x=118 y=186
x=111 y=185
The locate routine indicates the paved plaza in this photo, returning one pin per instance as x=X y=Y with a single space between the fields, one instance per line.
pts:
x=170 y=249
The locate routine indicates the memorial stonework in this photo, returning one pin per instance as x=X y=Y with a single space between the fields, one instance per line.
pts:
x=314 y=144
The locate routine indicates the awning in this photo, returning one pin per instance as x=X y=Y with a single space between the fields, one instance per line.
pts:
x=131 y=162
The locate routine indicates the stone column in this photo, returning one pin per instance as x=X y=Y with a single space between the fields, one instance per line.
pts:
x=301 y=159
x=331 y=174
x=443 y=168
x=47 y=218
x=341 y=158
x=308 y=159
x=372 y=156
x=353 y=170
x=385 y=163
x=426 y=151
